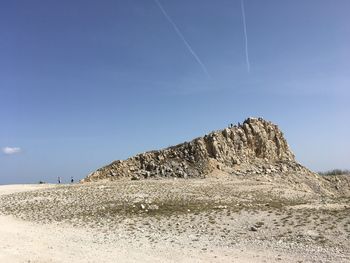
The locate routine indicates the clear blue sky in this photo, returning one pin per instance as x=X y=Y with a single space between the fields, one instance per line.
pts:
x=83 y=83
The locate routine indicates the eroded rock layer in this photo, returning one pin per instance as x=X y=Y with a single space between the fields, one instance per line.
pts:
x=256 y=147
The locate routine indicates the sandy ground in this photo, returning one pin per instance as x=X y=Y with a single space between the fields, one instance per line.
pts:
x=27 y=242
x=17 y=188
x=35 y=241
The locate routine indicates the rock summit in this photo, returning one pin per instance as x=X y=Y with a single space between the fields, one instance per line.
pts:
x=256 y=146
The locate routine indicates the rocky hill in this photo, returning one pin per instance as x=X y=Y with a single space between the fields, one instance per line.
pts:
x=256 y=146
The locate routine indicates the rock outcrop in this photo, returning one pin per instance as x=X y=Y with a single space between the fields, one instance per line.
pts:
x=255 y=147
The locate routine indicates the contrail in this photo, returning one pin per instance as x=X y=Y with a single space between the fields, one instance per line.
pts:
x=177 y=30
x=245 y=36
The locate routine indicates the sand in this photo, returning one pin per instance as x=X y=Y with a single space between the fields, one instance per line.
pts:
x=27 y=242
x=17 y=188
x=140 y=238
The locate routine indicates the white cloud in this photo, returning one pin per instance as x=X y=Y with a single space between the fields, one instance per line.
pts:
x=11 y=150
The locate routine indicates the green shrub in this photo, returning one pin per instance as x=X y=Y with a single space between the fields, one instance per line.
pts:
x=335 y=172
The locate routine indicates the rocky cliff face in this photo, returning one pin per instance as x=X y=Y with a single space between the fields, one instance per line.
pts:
x=255 y=147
